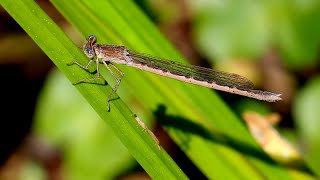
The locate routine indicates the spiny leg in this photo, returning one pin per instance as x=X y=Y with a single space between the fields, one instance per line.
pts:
x=117 y=78
x=89 y=79
x=86 y=67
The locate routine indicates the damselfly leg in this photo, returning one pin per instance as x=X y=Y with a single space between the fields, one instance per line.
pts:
x=87 y=80
x=118 y=79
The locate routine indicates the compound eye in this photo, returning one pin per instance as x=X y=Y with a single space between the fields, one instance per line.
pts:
x=90 y=51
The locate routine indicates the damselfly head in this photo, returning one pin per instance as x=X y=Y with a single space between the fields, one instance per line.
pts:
x=88 y=48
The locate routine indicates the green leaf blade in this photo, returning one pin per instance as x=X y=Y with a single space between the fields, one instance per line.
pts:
x=61 y=51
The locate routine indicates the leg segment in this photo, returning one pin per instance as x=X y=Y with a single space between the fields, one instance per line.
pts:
x=86 y=67
x=88 y=80
x=118 y=79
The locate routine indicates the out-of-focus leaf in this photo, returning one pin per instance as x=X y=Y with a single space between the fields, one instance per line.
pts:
x=231 y=29
x=227 y=29
x=307 y=118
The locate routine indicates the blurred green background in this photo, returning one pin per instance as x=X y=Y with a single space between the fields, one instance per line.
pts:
x=55 y=134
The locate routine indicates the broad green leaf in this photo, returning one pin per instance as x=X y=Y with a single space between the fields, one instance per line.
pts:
x=198 y=121
x=307 y=118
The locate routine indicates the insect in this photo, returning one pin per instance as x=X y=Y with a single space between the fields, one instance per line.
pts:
x=109 y=54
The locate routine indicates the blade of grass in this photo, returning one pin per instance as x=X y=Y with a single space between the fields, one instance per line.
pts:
x=205 y=129
x=61 y=51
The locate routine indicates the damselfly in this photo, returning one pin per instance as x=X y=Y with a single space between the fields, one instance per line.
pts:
x=108 y=54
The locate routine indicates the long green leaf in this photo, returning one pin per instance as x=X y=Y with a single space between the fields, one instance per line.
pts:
x=61 y=50
x=198 y=121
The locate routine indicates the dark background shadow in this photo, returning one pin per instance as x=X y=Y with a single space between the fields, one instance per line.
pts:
x=189 y=127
